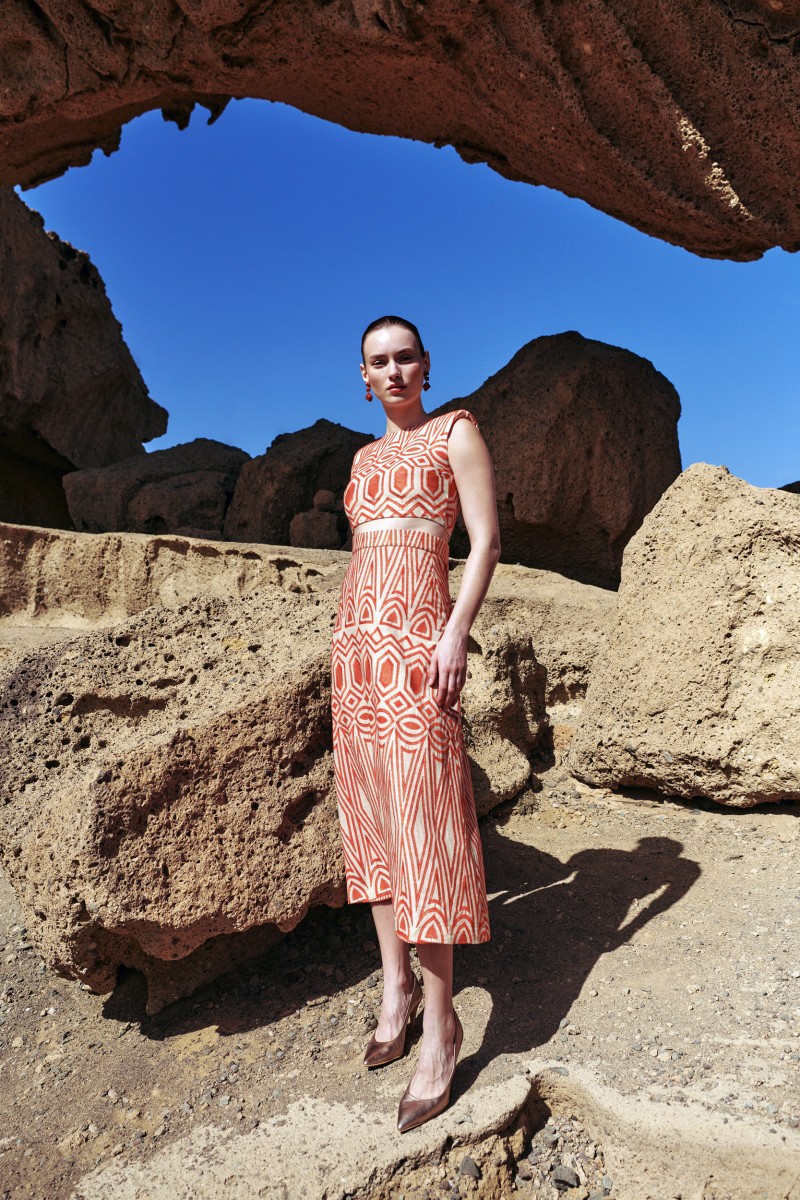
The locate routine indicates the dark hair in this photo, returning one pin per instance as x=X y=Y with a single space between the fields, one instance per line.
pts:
x=382 y=322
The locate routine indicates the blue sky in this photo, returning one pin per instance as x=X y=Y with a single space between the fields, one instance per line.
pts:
x=244 y=259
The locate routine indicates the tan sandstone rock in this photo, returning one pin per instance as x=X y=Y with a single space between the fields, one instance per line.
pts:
x=169 y=784
x=185 y=490
x=56 y=584
x=679 y=118
x=583 y=437
x=285 y=482
x=696 y=691
x=70 y=393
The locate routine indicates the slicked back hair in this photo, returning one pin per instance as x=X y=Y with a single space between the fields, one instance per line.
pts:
x=383 y=322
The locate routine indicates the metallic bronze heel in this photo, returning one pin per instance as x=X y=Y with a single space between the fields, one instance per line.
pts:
x=379 y=1053
x=412 y=1110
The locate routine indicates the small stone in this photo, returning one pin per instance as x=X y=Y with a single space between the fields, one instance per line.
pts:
x=607 y=1182
x=468 y=1166
x=565 y=1176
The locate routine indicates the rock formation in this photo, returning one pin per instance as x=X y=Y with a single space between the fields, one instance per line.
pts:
x=679 y=118
x=184 y=490
x=70 y=393
x=293 y=491
x=583 y=437
x=695 y=693
x=192 y=741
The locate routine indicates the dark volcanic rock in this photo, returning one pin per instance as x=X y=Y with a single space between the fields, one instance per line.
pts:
x=678 y=117
x=70 y=393
x=584 y=441
x=185 y=490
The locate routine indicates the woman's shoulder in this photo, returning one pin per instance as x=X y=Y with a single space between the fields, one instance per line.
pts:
x=456 y=414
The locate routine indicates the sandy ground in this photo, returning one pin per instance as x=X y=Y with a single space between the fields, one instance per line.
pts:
x=635 y=1020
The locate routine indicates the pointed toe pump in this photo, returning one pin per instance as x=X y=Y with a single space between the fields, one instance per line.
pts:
x=414 y=1111
x=379 y=1053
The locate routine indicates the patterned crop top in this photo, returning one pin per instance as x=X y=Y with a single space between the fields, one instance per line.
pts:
x=406 y=473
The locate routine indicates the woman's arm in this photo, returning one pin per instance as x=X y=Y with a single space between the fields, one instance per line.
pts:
x=474 y=475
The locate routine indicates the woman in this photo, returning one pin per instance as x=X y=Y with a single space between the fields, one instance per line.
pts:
x=409 y=829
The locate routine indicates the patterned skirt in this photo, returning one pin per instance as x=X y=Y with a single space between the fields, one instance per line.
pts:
x=403 y=786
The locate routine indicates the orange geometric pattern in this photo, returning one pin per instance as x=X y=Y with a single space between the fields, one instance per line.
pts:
x=406 y=473
x=403 y=785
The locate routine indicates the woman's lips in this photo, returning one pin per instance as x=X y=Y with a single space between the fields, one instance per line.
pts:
x=397 y=387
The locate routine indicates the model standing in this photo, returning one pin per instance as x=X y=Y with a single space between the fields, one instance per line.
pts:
x=410 y=835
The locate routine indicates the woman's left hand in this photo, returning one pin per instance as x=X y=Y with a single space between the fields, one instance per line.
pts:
x=447 y=670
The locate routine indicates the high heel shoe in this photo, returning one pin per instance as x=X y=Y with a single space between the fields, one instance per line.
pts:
x=379 y=1053
x=414 y=1111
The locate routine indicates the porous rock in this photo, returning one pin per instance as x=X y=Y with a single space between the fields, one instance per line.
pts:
x=168 y=782
x=568 y=623
x=286 y=481
x=695 y=691
x=70 y=393
x=678 y=117
x=184 y=490
x=583 y=438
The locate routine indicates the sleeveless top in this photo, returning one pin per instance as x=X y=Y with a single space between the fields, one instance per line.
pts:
x=406 y=473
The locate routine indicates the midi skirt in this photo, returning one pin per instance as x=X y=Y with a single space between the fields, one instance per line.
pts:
x=404 y=792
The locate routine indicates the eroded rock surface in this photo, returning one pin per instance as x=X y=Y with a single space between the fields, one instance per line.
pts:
x=679 y=118
x=168 y=784
x=70 y=393
x=183 y=490
x=695 y=693
x=583 y=437
x=293 y=491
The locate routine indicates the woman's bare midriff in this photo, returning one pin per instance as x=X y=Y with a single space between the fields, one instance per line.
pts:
x=405 y=523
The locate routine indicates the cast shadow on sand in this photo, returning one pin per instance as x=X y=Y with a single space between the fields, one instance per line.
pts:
x=551 y=922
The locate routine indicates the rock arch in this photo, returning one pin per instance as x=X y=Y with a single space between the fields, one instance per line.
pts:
x=679 y=117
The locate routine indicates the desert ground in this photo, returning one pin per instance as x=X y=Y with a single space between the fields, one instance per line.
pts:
x=633 y=1022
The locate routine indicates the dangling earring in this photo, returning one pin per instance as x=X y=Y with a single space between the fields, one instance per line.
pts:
x=369 y=393
x=426 y=387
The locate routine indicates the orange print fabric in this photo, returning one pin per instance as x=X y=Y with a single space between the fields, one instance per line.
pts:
x=404 y=792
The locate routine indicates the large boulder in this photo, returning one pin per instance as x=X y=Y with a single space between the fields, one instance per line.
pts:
x=170 y=782
x=292 y=494
x=167 y=785
x=568 y=622
x=71 y=395
x=185 y=490
x=695 y=693
x=584 y=440
x=679 y=118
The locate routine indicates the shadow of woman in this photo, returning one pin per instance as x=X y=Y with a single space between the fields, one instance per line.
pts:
x=551 y=923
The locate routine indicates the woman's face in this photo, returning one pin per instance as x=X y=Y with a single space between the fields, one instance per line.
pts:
x=393 y=365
